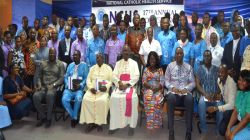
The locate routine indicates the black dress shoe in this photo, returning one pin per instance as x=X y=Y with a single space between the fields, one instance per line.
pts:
x=188 y=136
x=48 y=124
x=111 y=132
x=99 y=128
x=40 y=123
x=90 y=128
x=73 y=123
x=131 y=132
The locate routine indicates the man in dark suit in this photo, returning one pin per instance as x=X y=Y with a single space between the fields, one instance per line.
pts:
x=231 y=55
x=65 y=46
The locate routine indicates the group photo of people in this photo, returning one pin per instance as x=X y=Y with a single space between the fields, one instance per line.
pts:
x=107 y=76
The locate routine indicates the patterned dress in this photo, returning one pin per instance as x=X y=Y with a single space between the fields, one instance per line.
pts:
x=153 y=101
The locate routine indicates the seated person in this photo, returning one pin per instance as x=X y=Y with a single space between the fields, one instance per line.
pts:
x=124 y=100
x=5 y=117
x=75 y=81
x=180 y=83
x=228 y=91
x=50 y=76
x=95 y=105
x=239 y=124
x=153 y=80
x=207 y=86
x=15 y=93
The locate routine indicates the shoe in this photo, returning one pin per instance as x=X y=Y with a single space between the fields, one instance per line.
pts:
x=90 y=128
x=48 y=124
x=131 y=132
x=99 y=128
x=188 y=136
x=111 y=132
x=73 y=123
x=40 y=123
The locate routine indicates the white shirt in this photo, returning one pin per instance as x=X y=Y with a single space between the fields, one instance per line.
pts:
x=146 y=48
x=217 y=53
x=235 y=43
x=67 y=46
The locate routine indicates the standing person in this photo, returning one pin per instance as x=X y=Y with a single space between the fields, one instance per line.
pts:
x=124 y=100
x=199 y=46
x=54 y=24
x=17 y=56
x=29 y=50
x=227 y=35
x=175 y=22
x=61 y=32
x=167 y=39
x=231 y=56
x=219 y=25
x=7 y=47
x=245 y=41
x=75 y=81
x=25 y=26
x=73 y=28
x=238 y=127
x=179 y=81
x=216 y=49
x=94 y=46
x=41 y=55
x=113 y=47
x=184 y=26
x=88 y=34
x=95 y=105
x=185 y=44
x=50 y=76
x=79 y=44
x=105 y=31
x=153 y=83
x=195 y=18
x=54 y=42
x=154 y=25
x=148 y=45
x=207 y=28
x=134 y=39
x=122 y=31
x=45 y=26
x=65 y=46
x=143 y=24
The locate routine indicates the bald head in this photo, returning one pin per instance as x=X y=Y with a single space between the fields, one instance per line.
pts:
x=52 y=54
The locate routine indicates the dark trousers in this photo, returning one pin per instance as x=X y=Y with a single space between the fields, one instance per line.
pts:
x=176 y=100
x=20 y=109
x=223 y=124
x=49 y=96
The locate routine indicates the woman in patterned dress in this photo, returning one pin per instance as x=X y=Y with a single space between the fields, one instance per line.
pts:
x=152 y=91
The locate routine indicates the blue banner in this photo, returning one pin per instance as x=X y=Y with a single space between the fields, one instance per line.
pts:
x=213 y=6
x=77 y=8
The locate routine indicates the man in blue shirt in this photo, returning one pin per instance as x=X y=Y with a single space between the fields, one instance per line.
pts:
x=167 y=39
x=94 y=46
x=219 y=24
x=75 y=81
x=227 y=35
x=245 y=41
x=122 y=33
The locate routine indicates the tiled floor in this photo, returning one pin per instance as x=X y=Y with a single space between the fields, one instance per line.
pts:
x=26 y=130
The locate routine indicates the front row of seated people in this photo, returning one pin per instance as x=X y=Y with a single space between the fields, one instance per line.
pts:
x=217 y=94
